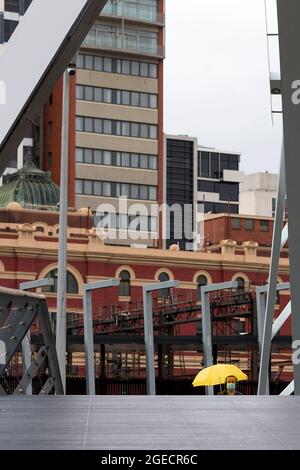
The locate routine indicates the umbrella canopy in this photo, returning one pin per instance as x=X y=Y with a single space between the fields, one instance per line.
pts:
x=217 y=374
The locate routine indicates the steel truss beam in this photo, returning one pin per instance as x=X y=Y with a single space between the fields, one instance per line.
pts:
x=19 y=310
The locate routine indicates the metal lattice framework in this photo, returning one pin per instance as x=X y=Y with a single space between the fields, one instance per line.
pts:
x=20 y=312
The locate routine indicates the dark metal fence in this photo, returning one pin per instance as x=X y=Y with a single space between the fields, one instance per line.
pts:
x=117 y=386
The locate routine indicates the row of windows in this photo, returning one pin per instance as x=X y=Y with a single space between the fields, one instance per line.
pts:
x=236 y=224
x=119 y=128
x=212 y=164
x=119 y=66
x=122 y=159
x=137 y=223
x=125 y=284
x=202 y=281
x=109 y=189
x=120 y=97
x=218 y=207
x=227 y=191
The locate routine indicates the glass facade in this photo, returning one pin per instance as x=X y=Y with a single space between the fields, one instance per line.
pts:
x=145 y=10
x=213 y=164
x=105 y=36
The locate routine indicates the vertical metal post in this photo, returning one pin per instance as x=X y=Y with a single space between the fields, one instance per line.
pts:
x=206 y=335
x=263 y=387
x=89 y=332
x=261 y=313
x=61 y=323
x=26 y=357
x=206 y=323
x=26 y=343
x=149 y=342
x=289 y=38
x=148 y=330
x=89 y=342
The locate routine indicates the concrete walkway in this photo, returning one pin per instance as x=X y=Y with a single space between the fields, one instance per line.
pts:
x=138 y=422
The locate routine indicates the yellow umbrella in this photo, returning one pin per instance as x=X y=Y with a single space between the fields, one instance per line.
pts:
x=217 y=374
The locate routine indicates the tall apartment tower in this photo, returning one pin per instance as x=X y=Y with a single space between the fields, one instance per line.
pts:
x=119 y=118
x=11 y=11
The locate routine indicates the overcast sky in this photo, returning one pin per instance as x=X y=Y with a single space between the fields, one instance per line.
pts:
x=217 y=79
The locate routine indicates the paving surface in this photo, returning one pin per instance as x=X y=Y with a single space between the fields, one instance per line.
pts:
x=138 y=422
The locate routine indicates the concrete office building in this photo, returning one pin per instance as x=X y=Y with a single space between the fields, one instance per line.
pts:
x=205 y=178
x=258 y=194
x=119 y=116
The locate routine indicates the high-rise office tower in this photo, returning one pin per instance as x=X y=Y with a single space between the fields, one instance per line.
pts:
x=119 y=118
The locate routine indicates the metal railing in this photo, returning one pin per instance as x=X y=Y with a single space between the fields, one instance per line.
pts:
x=102 y=39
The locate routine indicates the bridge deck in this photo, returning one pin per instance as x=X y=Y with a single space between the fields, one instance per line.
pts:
x=164 y=422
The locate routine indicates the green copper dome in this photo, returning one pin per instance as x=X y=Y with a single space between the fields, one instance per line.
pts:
x=30 y=187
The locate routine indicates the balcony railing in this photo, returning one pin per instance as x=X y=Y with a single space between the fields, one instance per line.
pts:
x=133 y=10
x=101 y=39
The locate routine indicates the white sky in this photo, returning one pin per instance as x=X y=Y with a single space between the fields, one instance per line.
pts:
x=217 y=79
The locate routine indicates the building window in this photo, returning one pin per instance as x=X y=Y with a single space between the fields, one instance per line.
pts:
x=229 y=191
x=119 y=66
x=264 y=225
x=118 y=128
x=114 y=189
x=236 y=223
x=249 y=224
x=163 y=293
x=72 y=285
x=9 y=28
x=124 y=288
x=118 y=97
x=125 y=222
x=241 y=284
x=12 y=5
x=274 y=200
x=213 y=164
x=201 y=282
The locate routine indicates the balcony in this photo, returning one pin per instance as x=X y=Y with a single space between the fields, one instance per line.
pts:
x=124 y=42
x=133 y=11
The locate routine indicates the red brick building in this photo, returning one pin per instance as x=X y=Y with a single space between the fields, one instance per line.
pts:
x=29 y=244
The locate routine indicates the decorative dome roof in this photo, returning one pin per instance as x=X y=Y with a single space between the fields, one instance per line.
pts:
x=30 y=187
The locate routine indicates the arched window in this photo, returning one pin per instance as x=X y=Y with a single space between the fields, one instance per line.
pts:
x=241 y=284
x=163 y=293
x=201 y=282
x=125 y=287
x=72 y=285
